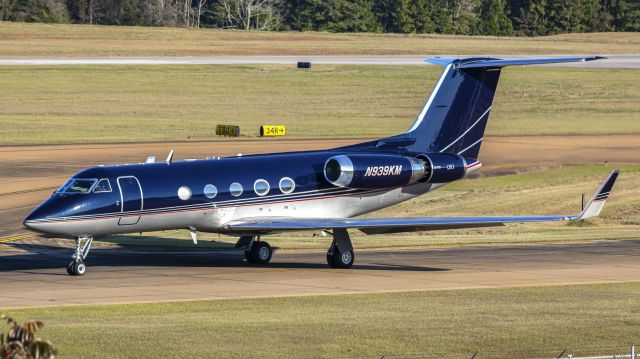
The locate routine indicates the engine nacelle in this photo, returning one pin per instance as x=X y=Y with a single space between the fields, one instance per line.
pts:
x=372 y=171
x=444 y=167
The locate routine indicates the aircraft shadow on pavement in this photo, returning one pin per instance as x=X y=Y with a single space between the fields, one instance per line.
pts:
x=49 y=257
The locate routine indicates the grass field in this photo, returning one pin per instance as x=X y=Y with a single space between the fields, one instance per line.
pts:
x=498 y=323
x=540 y=191
x=67 y=104
x=21 y=39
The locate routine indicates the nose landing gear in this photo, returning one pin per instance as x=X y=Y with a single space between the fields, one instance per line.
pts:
x=83 y=246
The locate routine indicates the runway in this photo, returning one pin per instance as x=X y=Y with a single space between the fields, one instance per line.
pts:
x=631 y=61
x=34 y=275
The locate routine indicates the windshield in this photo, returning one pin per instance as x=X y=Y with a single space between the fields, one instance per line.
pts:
x=77 y=185
x=65 y=185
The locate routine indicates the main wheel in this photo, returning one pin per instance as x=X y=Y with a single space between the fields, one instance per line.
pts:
x=261 y=252
x=70 y=268
x=342 y=259
x=79 y=268
x=249 y=257
x=330 y=260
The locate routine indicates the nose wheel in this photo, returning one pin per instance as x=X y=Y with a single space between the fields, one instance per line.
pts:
x=76 y=266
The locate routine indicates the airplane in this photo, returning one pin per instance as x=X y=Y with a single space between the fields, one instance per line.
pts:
x=257 y=195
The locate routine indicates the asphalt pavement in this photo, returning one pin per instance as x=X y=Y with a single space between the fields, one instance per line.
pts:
x=34 y=274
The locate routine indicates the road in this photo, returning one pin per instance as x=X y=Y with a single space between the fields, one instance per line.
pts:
x=34 y=275
x=613 y=61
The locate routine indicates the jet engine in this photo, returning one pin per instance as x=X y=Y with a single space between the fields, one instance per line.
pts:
x=373 y=171
x=444 y=167
x=377 y=171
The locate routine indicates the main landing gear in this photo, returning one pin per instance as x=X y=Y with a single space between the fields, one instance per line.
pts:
x=340 y=254
x=255 y=251
x=83 y=246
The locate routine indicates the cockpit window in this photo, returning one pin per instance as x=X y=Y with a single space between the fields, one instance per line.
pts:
x=65 y=185
x=102 y=186
x=77 y=185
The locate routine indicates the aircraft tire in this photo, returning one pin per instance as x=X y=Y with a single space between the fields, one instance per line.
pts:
x=79 y=268
x=261 y=252
x=70 y=268
x=249 y=256
x=330 y=260
x=343 y=260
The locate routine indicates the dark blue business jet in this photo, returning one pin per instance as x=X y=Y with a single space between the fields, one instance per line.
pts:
x=252 y=196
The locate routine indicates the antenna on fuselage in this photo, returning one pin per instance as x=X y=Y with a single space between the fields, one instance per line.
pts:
x=170 y=157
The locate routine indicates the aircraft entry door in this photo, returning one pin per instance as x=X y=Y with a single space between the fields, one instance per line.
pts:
x=130 y=199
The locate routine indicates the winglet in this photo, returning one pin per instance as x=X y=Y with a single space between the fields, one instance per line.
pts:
x=593 y=208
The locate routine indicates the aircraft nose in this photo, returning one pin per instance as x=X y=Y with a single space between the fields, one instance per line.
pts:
x=37 y=220
x=33 y=221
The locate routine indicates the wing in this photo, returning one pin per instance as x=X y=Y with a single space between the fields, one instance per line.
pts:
x=397 y=225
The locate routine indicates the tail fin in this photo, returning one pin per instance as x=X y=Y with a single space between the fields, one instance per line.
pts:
x=455 y=116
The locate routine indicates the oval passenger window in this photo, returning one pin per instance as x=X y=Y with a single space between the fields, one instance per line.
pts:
x=287 y=185
x=210 y=191
x=184 y=193
x=235 y=189
x=261 y=187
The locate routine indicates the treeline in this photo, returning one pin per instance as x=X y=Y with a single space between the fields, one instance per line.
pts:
x=464 y=17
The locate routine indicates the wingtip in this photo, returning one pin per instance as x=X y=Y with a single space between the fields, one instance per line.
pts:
x=595 y=205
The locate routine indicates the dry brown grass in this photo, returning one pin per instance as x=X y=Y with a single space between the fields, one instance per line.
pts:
x=75 y=104
x=20 y=39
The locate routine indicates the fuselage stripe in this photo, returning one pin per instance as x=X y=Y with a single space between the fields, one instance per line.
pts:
x=162 y=211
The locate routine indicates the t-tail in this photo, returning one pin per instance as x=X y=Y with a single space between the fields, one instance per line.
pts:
x=443 y=144
x=454 y=118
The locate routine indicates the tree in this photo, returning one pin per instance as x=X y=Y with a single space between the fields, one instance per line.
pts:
x=420 y=11
x=464 y=16
x=494 y=20
x=532 y=20
x=247 y=14
x=394 y=15
x=328 y=15
x=33 y=11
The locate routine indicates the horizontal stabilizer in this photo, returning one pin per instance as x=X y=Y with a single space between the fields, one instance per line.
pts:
x=484 y=62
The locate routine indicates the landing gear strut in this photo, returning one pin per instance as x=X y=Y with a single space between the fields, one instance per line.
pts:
x=255 y=251
x=83 y=246
x=340 y=254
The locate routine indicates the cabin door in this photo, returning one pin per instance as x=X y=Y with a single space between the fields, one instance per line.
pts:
x=130 y=199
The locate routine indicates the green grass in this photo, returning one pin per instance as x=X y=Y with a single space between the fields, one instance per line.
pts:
x=541 y=191
x=498 y=323
x=67 y=104
x=20 y=39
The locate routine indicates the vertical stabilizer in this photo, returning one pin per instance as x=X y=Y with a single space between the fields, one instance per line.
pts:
x=455 y=116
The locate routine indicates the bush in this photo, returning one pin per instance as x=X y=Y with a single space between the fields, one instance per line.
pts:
x=21 y=341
